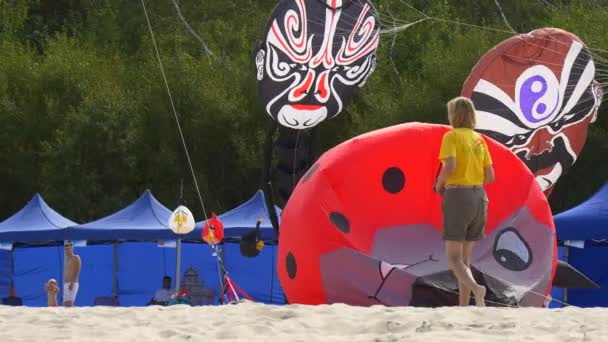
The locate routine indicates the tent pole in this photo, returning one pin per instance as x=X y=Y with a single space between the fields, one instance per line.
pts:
x=220 y=269
x=62 y=271
x=178 y=265
x=115 y=270
x=566 y=254
x=12 y=289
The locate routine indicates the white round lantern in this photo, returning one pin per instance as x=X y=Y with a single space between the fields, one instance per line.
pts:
x=181 y=220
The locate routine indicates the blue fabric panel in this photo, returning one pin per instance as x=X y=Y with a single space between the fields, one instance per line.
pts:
x=200 y=257
x=587 y=221
x=5 y=273
x=256 y=276
x=139 y=277
x=95 y=274
x=592 y=262
x=556 y=292
x=141 y=267
x=33 y=268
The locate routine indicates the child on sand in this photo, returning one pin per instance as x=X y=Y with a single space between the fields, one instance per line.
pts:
x=466 y=168
x=51 y=290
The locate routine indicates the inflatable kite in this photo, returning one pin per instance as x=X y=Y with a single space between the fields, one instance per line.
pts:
x=313 y=56
x=363 y=227
x=535 y=93
x=213 y=230
x=252 y=243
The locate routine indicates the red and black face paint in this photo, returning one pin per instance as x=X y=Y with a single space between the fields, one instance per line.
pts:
x=535 y=93
x=314 y=54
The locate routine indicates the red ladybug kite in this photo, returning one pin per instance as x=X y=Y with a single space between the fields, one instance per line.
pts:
x=363 y=227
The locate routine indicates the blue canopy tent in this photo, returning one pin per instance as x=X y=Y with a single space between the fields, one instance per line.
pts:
x=587 y=221
x=143 y=220
x=146 y=219
x=243 y=218
x=35 y=223
x=133 y=269
x=583 y=233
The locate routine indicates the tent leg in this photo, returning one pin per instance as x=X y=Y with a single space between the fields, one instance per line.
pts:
x=178 y=265
x=566 y=254
x=115 y=270
x=221 y=271
x=12 y=289
x=62 y=269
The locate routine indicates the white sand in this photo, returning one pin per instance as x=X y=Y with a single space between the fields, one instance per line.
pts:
x=257 y=322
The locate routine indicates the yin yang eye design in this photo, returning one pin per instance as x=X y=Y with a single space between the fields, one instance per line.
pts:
x=512 y=251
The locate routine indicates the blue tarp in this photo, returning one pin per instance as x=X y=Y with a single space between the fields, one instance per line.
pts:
x=243 y=218
x=141 y=267
x=587 y=221
x=33 y=268
x=5 y=273
x=557 y=293
x=34 y=222
x=145 y=219
x=592 y=262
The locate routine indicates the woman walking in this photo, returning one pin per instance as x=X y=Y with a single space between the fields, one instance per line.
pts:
x=466 y=168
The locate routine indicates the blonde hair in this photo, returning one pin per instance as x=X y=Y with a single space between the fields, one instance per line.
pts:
x=462 y=112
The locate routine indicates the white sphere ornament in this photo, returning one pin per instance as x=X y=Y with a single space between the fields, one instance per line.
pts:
x=181 y=220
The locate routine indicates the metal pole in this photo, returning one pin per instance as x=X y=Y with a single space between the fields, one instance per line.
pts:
x=12 y=271
x=566 y=254
x=178 y=265
x=115 y=270
x=65 y=261
x=220 y=269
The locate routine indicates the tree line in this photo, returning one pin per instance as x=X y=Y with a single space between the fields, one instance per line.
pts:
x=86 y=121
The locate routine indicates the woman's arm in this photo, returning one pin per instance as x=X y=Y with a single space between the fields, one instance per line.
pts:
x=446 y=170
x=488 y=174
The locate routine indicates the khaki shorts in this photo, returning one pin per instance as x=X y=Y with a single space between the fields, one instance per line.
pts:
x=464 y=213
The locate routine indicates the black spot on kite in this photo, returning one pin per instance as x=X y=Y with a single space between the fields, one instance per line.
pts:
x=393 y=180
x=339 y=221
x=290 y=263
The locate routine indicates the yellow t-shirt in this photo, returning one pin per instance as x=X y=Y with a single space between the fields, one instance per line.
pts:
x=471 y=154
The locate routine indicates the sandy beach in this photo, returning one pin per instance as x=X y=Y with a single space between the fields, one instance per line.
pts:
x=257 y=322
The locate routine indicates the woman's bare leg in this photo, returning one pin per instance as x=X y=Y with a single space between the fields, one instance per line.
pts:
x=465 y=294
x=466 y=282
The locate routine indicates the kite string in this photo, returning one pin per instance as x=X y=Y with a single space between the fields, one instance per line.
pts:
x=397 y=29
x=530 y=291
x=444 y=288
x=598 y=59
x=173 y=108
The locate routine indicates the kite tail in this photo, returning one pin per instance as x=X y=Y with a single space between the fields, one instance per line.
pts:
x=296 y=151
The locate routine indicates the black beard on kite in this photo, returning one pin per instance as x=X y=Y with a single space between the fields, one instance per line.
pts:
x=314 y=54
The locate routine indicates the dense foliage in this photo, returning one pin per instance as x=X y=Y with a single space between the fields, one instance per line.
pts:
x=86 y=120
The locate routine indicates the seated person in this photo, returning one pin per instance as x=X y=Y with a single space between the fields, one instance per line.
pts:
x=163 y=295
x=51 y=290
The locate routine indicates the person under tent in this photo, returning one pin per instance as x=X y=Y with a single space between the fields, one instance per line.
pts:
x=163 y=295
